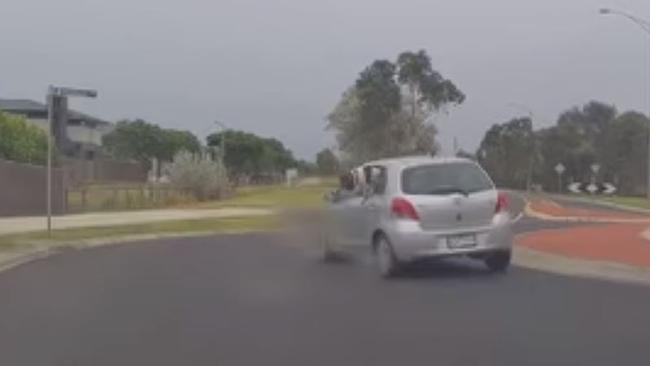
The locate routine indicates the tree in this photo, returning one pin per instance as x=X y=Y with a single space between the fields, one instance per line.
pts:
x=387 y=111
x=142 y=141
x=20 y=141
x=579 y=140
x=327 y=162
x=426 y=86
x=306 y=167
x=583 y=135
x=625 y=153
x=507 y=152
x=176 y=141
x=248 y=155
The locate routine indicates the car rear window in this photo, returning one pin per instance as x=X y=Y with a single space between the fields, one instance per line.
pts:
x=440 y=179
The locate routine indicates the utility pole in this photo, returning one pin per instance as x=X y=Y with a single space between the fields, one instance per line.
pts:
x=223 y=141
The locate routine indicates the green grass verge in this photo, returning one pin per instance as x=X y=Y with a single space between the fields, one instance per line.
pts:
x=635 y=202
x=252 y=223
x=275 y=197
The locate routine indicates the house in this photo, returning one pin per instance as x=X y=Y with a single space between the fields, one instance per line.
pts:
x=79 y=136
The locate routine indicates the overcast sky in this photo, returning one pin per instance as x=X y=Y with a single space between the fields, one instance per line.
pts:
x=277 y=67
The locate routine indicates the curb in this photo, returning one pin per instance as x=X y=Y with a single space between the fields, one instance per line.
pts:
x=576 y=219
x=604 y=204
x=582 y=268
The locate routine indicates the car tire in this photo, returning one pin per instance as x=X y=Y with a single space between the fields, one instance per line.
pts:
x=385 y=260
x=499 y=261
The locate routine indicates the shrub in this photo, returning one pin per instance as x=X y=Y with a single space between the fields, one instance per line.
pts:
x=198 y=174
x=20 y=141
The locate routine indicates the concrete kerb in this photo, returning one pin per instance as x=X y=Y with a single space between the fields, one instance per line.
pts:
x=576 y=219
x=568 y=266
x=603 y=204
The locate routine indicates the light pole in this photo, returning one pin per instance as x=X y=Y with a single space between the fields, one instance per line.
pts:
x=223 y=140
x=645 y=26
x=529 y=111
x=52 y=93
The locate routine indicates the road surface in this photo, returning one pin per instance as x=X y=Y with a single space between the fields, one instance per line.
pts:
x=254 y=300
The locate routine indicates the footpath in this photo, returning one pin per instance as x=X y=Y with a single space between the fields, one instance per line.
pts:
x=17 y=225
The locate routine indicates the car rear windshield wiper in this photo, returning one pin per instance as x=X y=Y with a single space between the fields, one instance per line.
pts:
x=448 y=190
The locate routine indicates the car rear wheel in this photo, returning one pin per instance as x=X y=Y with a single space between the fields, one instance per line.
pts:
x=499 y=261
x=385 y=259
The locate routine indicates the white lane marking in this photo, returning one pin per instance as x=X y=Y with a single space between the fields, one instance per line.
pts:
x=518 y=217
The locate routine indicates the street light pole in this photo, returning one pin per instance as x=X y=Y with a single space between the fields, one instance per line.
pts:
x=645 y=26
x=50 y=108
x=223 y=140
x=52 y=93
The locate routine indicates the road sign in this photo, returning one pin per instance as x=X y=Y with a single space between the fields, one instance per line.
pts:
x=609 y=188
x=560 y=169
x=73 y=92
x=592 y=188
x=291 y=176
x=575 y=187
x=595 y=168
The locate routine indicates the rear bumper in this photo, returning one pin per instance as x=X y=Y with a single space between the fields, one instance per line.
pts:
x=411 y=242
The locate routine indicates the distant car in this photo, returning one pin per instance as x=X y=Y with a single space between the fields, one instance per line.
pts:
x=419 y=207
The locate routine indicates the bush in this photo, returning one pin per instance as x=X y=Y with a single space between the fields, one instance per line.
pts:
x=20 y=141
x=199 y=175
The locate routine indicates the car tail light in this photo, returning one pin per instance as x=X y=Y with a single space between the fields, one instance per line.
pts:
x=402 y=208
x=502 y=202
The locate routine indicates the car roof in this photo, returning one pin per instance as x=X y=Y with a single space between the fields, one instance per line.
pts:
x=417 y=160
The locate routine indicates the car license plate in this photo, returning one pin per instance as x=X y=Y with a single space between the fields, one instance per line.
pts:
x=461 y=241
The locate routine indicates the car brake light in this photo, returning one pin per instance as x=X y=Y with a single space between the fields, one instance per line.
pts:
x=402 y=208
x=502 y=202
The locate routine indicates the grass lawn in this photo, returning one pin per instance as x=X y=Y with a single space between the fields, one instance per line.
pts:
x=63 y=236
x=277 y=196
x=637 y=202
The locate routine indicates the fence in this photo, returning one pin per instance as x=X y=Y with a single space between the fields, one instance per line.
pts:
x=103 y=170
x=23 y=190
x=101 y=197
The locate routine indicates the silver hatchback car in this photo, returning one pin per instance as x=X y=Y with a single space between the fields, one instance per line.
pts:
x=417 y=207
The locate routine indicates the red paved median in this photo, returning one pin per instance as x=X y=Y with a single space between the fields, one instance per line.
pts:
x=619 y=242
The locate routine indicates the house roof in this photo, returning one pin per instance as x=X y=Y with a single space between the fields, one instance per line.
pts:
x=25 y=105
x=29 y=106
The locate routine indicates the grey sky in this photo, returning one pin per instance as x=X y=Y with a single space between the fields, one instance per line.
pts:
x=277 y=67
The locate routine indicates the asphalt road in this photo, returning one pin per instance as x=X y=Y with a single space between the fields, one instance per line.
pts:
x=256 y=300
